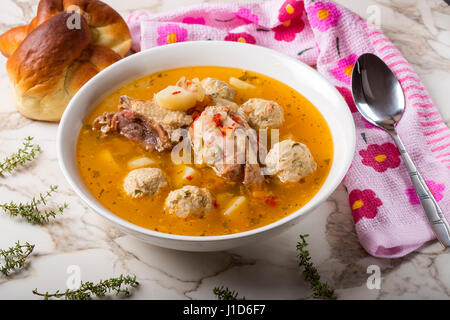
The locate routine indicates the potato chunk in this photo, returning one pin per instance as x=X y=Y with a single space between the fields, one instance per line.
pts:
x=189 y=173
x=176 y=98
x=237 y=204
x=108 y=159
x=193 y=86
x=241 y=85
x=140 y=162
x=184 y=175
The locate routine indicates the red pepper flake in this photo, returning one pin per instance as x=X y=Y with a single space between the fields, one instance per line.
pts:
x=271 y=201
x=237 y=119
x=215 y=204
x=189 y=178
x=176 y=92
x=217 y=120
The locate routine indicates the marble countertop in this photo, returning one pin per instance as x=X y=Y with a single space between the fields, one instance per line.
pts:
x=419 y=28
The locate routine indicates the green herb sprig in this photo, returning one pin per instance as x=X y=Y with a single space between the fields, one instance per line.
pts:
x=21 y=157
x=118 y=286
x=226 y=294
x=31 y=212
x=321 y=290
x=15 y=257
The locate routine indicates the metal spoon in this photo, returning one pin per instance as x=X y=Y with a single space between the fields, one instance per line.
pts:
x=379 y=98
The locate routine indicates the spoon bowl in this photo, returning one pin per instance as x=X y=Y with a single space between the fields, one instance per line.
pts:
x=377 y=92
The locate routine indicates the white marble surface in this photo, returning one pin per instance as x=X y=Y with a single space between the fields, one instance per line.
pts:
x=420 y=29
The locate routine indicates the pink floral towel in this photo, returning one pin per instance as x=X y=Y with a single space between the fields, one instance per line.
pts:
x=388 y=217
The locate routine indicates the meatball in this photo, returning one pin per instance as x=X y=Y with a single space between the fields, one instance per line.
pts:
x=189 y=200
x=144 y=181
x=290 y=160
x=217 y=89
x=263 y=114
x=219 y=102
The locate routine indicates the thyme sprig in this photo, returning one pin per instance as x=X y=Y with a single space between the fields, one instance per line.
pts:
x=21 y=157
x=118 y=286
x=226 y=294
x=31 y=211
x=321 y=290
x=15 y=257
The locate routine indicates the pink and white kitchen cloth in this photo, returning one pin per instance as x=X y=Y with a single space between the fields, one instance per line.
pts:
x=388 y=217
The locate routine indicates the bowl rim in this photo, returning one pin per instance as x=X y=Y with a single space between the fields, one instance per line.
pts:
x=111 y=217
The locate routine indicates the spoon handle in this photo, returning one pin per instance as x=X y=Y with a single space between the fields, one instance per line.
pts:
x=437 y=220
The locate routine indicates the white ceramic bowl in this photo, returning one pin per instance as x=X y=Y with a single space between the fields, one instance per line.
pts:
x=295 y=74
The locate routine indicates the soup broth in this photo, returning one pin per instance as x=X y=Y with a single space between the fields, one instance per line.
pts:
x=103 y=161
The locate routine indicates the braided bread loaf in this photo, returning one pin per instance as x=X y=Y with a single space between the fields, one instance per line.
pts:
x=59 y=51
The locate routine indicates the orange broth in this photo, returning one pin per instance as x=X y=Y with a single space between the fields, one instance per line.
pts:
x=102 y=161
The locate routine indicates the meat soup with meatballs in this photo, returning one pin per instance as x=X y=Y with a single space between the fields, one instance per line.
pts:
x=204 y=151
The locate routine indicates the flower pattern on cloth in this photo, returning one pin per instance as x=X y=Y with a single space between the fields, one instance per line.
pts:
x=288 y=30
x=247 y=15
x=193 y=20
x=171 y=33
x=364 y=204
x=323 y=15
x=436 y=189
x=348 y=98
x=381 y=157
x=368 y=125
x=290 y=9
x=243 y=37
x=343 y=72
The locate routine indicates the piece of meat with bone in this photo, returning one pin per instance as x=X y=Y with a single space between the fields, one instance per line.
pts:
x=252 y=170
x=134 y=127
x=170 y=120
x=104 y=122
x=144 y=122
x=222 y=139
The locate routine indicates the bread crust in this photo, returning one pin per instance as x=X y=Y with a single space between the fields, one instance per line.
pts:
x=52 y=64
x=106 y=26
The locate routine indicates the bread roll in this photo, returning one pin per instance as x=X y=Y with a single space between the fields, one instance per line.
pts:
x=52 y=64
x=106 y=26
